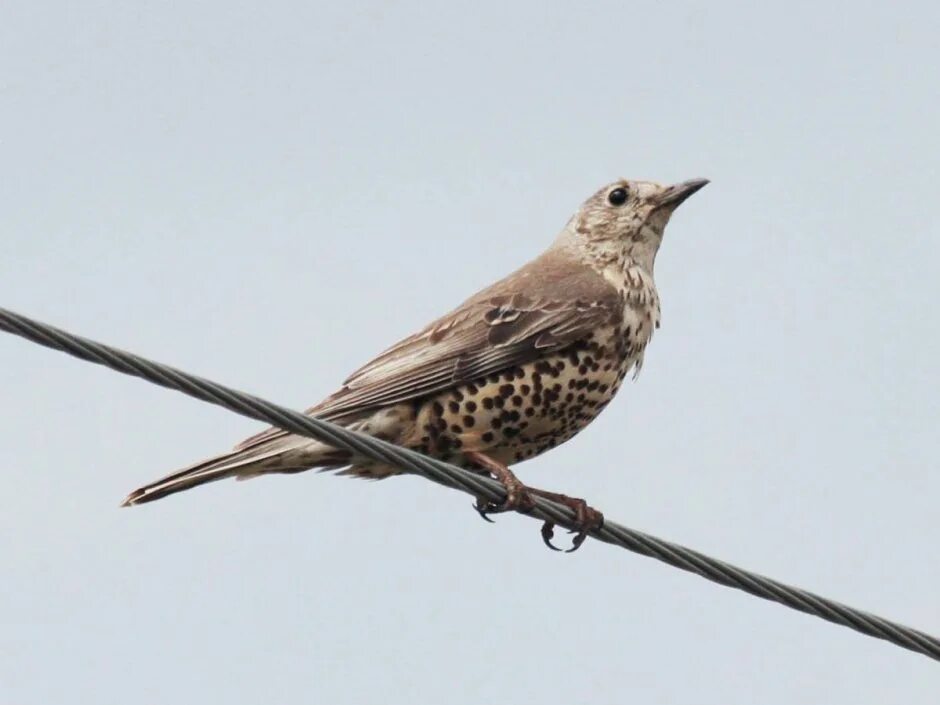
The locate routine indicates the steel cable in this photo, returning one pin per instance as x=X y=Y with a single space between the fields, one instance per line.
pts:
x=466 y=481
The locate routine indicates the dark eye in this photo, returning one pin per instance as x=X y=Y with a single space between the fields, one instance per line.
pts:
x=618 y=196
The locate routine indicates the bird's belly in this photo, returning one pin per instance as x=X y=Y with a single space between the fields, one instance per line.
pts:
x=526 y=410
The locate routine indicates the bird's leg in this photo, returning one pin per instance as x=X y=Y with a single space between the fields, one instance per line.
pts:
x=586 y=518
x=519 y=498
x=517 y=495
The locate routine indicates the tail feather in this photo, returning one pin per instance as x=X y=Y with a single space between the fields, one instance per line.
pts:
x=299 y=455
x=275 y=451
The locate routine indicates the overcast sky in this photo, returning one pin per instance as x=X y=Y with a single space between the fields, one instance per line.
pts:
x=270 y=193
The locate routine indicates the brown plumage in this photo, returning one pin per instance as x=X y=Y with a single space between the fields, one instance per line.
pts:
x=516 y=369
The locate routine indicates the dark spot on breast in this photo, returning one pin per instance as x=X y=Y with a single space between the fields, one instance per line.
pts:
x=437 y=409
x=525 y=389
x=471 y=406
x=509 y=432
x=454 y=428
x=487 y=437
x=454 y=407
x=542 y=367
x=469 y=421
x=487 y=402
x=496 y=422
x=507 y=390
x=472 y=389
x=517 y=400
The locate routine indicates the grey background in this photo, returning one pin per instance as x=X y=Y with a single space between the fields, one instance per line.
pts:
x=269 y=194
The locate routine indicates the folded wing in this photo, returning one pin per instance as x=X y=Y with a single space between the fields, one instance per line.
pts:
x=491 y=332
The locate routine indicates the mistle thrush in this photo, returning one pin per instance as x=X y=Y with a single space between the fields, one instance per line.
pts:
x=513 y=371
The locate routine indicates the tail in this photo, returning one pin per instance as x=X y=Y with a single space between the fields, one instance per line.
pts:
x=284 y=454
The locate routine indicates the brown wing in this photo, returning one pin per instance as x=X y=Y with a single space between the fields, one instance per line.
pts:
x=544 y=306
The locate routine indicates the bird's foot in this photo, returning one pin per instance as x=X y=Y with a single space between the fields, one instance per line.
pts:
x=519 y=499
x=587 y=519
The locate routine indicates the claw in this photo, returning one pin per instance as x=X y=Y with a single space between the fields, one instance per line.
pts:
x=577 y=541
x=548 y=532
x=482 y=508
x=588 y=519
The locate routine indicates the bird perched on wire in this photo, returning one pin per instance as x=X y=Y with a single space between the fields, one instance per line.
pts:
x=515 y=370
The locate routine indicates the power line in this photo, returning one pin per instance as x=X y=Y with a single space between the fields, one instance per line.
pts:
x=466 y=481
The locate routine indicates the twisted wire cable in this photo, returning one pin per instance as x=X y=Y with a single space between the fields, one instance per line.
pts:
x=466 y=481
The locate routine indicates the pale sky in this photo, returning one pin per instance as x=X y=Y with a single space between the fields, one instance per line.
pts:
x=269 y=194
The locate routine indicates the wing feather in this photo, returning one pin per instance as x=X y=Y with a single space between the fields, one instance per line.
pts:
x=487 y=334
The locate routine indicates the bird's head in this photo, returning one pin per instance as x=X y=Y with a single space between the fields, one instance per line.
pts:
x=627 y=218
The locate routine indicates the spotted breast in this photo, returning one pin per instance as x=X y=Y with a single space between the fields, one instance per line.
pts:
x=518 y=413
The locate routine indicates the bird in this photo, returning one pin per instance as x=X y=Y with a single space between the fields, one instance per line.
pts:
x=515 y=370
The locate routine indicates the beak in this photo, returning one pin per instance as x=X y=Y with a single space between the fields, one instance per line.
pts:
x=673 y=195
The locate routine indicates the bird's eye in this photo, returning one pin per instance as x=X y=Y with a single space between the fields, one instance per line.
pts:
x=618 y=196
